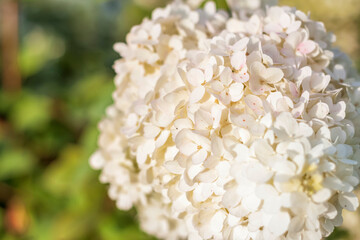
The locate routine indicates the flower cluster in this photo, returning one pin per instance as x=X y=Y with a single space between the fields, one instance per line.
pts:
x=232 y=127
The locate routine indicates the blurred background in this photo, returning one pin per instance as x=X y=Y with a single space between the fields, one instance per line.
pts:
x=56 y=81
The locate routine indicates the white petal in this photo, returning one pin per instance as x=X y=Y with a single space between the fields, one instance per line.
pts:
x=294 y=39
x=258 y=173
x=211 y=161
x=225 y=77
x=322 y=195
x=239 y=232
x=257 y=68
x=151 y=131
x=241 y=44
x=339 y=72
x=223 y=169
x=236 y=91
x=319 y=82
x=207 y=176
x=97 y=161
x=238 y=60
x=217 y=115
x=173 y=167
x=124 y=202
x=349 y=201
x=195 y=77
x=251 y=202
x=272 y=75
x=209 y=73
x=242 y=120
x=188 y=148
x=180 y=203
x=217 y=222
x=279 y=223
x=272 y=204
x=203 y=119
x=197 y=94
x=202 y=141
x=312 y=235
x=144 y=150
x=294 y=89
x=239 y=211
x=306 y=47
x=230 y=199
x=194 y=170
x=162 y=138
x=202 y=192
x=332 y=212
x=242 y=152
x=242 y=134
x=244 y=188
x=183 y=123
x=267 y=120
x=320 y=110
x=263 y=151
x=285 y=122
x=217 y=146
x=217 y=86
x=296 y=224
x=265 y=191
x=254 y=103
x=338 y=111
x=344 y=150
x=337 y=184
x=255 y=221
x=354 y=181
x=155 y=31
x=199 y=156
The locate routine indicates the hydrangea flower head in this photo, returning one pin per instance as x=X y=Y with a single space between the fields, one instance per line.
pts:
x=232 y=127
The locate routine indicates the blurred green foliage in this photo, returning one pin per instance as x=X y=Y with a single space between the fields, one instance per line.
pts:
x=49 y=129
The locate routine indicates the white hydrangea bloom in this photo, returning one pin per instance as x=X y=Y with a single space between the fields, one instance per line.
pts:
x=242 y=127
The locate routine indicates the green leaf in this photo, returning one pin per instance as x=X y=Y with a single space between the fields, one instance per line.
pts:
x=15 y=163
x=48 y=47
x=31 y=112
x=109 y=230
x=61 y=176
x=339 y=234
